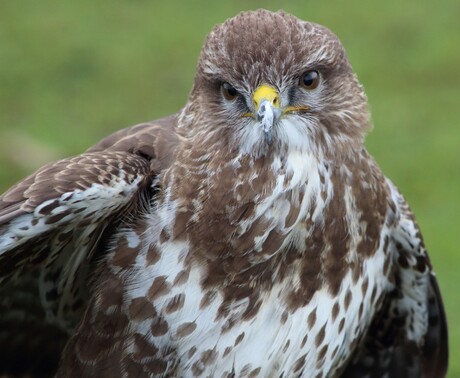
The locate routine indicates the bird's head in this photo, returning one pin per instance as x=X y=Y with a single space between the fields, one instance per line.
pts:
x=268 y=82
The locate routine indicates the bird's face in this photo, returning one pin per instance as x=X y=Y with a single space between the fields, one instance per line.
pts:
x=270 y=83
x=268 y=114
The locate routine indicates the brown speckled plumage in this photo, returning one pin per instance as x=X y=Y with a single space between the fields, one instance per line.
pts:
x=199 y=246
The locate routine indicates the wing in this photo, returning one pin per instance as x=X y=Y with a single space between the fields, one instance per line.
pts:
x=408 y=337
x=54 y=226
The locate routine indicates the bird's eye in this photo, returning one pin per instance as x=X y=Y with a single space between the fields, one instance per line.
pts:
x=229 y=92
x=309 y=80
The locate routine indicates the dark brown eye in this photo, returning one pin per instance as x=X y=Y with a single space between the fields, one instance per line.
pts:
x=228 y=91
x=309 y=80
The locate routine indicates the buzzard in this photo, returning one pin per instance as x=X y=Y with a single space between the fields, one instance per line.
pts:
x=248 y=235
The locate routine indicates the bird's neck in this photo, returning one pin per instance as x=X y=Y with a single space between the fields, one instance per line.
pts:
x=235 y=191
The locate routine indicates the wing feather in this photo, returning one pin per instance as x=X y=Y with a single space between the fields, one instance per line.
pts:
x=408 y=337
x=88 y=188
x=82 y=191
x=56 y=223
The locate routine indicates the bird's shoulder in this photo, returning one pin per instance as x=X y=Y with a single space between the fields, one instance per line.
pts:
x=78 y=197
x=156 y=139
x=117 y=159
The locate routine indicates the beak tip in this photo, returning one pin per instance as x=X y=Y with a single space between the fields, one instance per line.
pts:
x=267 y=114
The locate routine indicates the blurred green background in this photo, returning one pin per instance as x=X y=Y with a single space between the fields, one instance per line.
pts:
x=72 y=72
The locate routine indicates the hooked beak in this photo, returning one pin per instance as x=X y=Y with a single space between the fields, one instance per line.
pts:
x=266 y=103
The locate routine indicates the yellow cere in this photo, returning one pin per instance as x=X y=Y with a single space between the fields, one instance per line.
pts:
x=265 y=92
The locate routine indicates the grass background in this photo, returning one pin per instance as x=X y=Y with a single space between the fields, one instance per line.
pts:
x=72 y=72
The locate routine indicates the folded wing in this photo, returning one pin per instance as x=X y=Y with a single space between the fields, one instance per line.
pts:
x=54 y=227
x=408 y=337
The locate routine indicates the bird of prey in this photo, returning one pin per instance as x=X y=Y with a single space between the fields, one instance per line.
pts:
x=249 y=235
